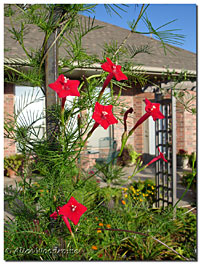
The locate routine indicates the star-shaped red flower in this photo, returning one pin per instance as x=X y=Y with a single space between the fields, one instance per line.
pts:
x=115 y=70
x=103 y=115
x=153 y=109
x=65 y=87
x=160 y=156
x=72 y=210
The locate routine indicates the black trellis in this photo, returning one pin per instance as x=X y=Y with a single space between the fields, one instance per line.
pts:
x=164 y=172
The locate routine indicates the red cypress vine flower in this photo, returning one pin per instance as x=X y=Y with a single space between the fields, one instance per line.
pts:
x=103 y=115
x=160 y=156
x=72 y=210
x=129 y=111
x=55 y=215
x=124 y=135
x=65 y=87
x=114 y=71
x=152 y=109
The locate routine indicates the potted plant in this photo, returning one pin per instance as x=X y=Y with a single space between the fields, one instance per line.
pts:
x=12 y=165
x=128 y=157
x=182 y=159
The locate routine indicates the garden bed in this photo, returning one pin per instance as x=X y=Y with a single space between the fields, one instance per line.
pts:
x=106 y=235
x=130 y=229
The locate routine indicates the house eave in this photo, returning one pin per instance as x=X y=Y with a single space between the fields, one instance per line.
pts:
x=155 y=71
x=96 y=69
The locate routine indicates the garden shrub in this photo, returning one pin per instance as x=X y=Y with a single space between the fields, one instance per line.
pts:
x=141 y=191
x=53 y=235
x=13 y=162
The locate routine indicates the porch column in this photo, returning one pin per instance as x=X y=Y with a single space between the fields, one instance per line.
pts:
x=174 y=172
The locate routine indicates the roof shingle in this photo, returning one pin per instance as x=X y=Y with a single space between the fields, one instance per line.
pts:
x=95 y=40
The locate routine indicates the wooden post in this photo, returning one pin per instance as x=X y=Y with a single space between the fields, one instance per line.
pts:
x=51 y=74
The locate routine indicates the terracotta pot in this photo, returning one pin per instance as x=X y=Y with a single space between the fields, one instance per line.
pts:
x=11 y=173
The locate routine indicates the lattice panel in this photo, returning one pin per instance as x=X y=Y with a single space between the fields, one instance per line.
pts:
x=163 y=175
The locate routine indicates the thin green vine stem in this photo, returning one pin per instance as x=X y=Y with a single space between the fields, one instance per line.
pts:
x=72 y=234
x=63 y=128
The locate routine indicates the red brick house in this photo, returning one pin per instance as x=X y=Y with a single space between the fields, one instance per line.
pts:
x=153 y=64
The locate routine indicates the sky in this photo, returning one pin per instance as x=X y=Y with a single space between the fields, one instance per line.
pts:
x=158 y=14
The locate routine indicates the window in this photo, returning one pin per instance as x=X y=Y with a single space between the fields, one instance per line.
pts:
x=29 y=110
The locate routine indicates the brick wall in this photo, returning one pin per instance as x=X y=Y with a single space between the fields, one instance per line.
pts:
x=127 y=101
x=132 y=98
x=186 y=128
x=139 y=112
x=190 y=130
x=180 y=139
x=186 y=122
x=9 y=93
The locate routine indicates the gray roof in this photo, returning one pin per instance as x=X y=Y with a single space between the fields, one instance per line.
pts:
x=94 y=42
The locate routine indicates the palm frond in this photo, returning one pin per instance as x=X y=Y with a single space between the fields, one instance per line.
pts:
x=73 y=41
x=134 y=50
x=36 y=14
x=21 y=76
x=27 y=99
x=165 y=36
x=133 y=24
x=90 y=8
x=85 y=25
x=113 y=8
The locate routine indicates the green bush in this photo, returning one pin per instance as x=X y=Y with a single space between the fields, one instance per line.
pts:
x=13 y=162
x=110 y=174
x=109 y=197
